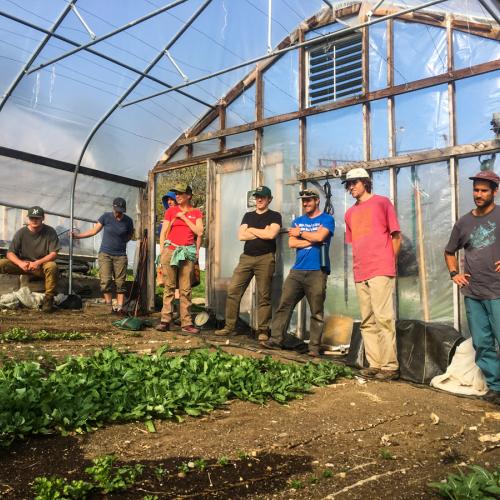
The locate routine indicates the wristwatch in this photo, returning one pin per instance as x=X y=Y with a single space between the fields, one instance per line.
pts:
x=453 y=274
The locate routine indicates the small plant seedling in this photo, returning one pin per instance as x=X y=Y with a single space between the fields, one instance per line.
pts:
x=184 y=467
x=200 y=464
x=109 y=478
x=313 y=480
x=242 y=455
x=223 y=461
x=150 y=497
x=386 y=454
x=295 y=484
x=327 y=473
x=159 y=472
x=58 y=487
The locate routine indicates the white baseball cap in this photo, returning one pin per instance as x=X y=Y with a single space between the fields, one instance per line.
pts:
x=356 y=173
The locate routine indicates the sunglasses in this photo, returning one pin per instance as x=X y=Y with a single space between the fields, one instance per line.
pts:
x=307 y=192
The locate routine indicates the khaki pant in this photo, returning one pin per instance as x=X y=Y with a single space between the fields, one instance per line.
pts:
x=48 y=271
x=262 y=267
x=112 y=266
x=378 y=326
x=172 y=274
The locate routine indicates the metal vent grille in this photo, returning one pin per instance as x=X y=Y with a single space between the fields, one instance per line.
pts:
x=335 y=70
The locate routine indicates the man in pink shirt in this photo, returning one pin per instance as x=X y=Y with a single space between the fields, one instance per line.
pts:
x=373 y=230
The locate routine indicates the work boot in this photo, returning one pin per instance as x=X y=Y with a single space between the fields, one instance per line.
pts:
x=223 y=332
x=369 y=372
x=492 y=396
x=163 y=326
x=262 y=335
x=272 y=344
x=48 y=304
x=387 y=375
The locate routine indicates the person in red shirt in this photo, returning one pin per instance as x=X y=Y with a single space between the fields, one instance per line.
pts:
x=373 y=230
x=180 y=238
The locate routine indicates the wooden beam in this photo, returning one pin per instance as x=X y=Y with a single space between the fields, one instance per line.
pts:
x=163 y=166
x=427 y=156
x=370 y=96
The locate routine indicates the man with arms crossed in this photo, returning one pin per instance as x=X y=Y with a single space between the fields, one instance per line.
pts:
x=310 y=234
x=33 y=250
x=478 y=233
x=258 y=230
x=373 y=230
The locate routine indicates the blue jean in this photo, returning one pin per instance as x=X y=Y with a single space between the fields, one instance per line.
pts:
x=483 y=317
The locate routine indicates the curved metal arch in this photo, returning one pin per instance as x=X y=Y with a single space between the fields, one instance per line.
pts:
x=103 y=119
x=35 y=54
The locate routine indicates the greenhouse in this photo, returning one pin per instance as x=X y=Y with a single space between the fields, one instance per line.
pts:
x=131 y=99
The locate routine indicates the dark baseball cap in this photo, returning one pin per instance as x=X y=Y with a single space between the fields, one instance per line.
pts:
x=182 y=188
x=120 y=205
x=486 y=175
x=262 y=191
x=309 y=193
x=36 y=212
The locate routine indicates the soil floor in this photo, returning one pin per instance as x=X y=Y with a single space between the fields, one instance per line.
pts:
x=354 y=439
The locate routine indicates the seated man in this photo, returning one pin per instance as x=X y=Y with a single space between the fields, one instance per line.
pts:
x=33 y=250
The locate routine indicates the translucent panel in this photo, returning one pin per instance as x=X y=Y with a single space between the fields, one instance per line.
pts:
x=334 y=138
x=238 y=140
x=280 y=164
x=281 y=85
x=377 y=56
x=477 y=98
x=206 y=147
x=180 y=154
x=425 y=217
x=242 y=109
x=17 y=44
x=422 y=120
x=323 y=30
x=39 y=12
x=420 y=51
x=379 y=129
x=381 y=183
x=50 y=188
x=469 y=50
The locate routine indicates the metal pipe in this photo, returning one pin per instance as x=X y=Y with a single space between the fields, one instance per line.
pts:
x=275 y=53
x=328 y=3
x=85 y=25
x=371 y=11
x=96 y=127
x=102 y=56
x=35 y=54
x=269 y=26
x=109 y=35
x=47 y=212
x=491 y=12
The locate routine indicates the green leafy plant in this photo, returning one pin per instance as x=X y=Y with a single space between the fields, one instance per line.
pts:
x=242 y=455
x=109 y=478
x=159 y=472
x=86 y=392
x=48 y=488
x=184 y=468
x=295 y=484
x=223 y=461
x=479 y=484
x=327 y=473
x=200 y=464
x=386 y=454
x=17 y=334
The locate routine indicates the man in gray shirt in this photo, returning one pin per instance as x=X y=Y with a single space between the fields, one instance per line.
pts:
x=478 y=233
x=33 y=250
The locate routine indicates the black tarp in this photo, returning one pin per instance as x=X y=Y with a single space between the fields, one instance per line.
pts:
x=424 y=349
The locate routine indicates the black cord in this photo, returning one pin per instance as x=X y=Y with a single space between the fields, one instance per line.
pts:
x=328 y=198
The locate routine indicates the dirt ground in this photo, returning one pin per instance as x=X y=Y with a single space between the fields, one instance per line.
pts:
x=353 y=439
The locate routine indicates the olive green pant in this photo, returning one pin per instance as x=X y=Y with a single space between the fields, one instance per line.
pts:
x=262 y=267
x=378 y=325
x=48 y=271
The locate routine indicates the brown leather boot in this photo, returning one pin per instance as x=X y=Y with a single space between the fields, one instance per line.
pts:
x=48 y=304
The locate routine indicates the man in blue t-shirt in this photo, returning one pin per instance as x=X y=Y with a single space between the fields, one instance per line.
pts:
x=310 y=234
x=118 y=231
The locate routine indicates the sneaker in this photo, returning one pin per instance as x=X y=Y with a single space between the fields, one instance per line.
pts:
x=262 y=335
x=369 y=372
x=190 y=329
x=387 y=375
x=492 y=396
x=272 y=344
x=163 y=326
x=223 y=332
x=48 y=304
